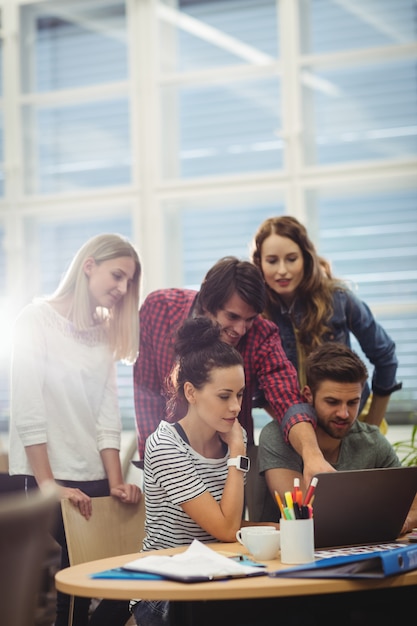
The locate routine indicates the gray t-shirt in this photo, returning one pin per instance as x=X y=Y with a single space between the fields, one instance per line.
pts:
x=364 y=447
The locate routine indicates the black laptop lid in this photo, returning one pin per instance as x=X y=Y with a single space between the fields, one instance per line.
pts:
x=362 y=506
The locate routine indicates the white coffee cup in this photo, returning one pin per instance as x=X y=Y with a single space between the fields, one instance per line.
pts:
x=242 y=532
x=264 y=545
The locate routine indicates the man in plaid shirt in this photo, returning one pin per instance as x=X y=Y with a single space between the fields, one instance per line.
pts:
x=233 y=294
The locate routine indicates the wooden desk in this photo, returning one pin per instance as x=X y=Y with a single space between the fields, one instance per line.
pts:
x=195 y=604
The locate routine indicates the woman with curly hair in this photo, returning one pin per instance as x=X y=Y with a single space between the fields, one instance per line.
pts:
x=311 y=307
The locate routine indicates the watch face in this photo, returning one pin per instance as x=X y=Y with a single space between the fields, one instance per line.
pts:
x=244 y=463
x=241 y=462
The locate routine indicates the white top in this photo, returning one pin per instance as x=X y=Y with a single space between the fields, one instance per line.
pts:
x=63 y=393
x=175 y=473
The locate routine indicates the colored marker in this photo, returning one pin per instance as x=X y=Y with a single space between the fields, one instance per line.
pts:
x=279 y=502
x=296 y=489
x=288 y=512
x=297 y=511
x=310 y=490
x=288 y=500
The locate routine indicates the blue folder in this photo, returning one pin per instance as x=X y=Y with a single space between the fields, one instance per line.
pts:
x=123 y=574
x=370 y=564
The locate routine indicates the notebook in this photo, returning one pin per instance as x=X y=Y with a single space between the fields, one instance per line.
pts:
x=358 y=507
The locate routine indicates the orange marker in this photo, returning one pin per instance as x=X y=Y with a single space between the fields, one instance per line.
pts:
x=296 y=489
x=280 y=505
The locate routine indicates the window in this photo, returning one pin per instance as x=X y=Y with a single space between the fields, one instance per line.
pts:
x=222 y=128
x=374 y=247
x=361 y=112
x=199 y=232
x=75 y=116
x=184 y=123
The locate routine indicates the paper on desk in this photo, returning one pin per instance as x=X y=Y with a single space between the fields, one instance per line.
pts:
x=197 y=563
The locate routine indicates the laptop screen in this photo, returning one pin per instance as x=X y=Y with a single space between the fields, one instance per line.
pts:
x=362 y=506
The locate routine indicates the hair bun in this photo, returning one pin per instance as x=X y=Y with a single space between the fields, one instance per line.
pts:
x=196 y=334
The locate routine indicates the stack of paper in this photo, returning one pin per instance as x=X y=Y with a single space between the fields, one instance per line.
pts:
x=197 y=564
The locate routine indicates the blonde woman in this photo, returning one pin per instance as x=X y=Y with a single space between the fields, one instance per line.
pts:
x=65 y=420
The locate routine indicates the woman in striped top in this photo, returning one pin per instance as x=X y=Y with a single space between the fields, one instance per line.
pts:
x=191 y=491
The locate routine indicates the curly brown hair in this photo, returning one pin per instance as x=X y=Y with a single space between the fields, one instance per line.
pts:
x=317 y=285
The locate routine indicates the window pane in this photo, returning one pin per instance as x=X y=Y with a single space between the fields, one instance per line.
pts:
x=3 y=261
x=72 y=44
x=200 y=233
x=200 y=34
x=361 y=113
x=222 y=128
x=1 y=65
x=1 y=154
x=371 y=240
x=1 y=119
x=4 y=328
x=341 y=25
x=78 y=146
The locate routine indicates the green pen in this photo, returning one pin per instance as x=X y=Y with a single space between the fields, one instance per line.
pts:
x=288 y=514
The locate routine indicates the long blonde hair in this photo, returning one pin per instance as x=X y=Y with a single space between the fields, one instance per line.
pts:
x=122 y=320
x=316 y=288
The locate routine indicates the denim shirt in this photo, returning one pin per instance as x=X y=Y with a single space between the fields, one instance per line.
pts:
x=350 y=315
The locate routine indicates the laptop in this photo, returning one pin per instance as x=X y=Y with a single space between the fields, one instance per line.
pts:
x=357 y=507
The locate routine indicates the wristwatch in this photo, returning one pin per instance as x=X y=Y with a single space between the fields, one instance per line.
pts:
x=241 y=462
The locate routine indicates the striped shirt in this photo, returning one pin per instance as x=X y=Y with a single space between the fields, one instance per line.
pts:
x=266 y=367
x=175 y=473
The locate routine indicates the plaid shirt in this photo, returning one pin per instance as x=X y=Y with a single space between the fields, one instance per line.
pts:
x=265 y=362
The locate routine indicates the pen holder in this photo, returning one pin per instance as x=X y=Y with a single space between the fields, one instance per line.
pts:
x=297 y=541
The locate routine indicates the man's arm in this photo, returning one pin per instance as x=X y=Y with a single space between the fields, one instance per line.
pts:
x=377 y=409
x=279 y=461
x=147 y=385
x=278 y=379
x=303 y=439
x=379 y=349
x=281 y=480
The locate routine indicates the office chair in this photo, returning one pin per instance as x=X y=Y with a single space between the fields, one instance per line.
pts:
x=114 y=528
x=25 y=524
